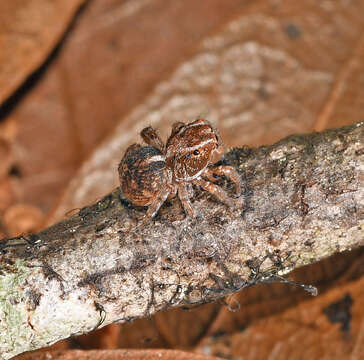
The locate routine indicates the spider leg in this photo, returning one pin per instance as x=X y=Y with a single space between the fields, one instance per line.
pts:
x=172 y=193
x=177 y=126
x=189 y=190
x=216 y=191
x=151 y=137
x=185 y=200
x=222 y=170
x=155 y=205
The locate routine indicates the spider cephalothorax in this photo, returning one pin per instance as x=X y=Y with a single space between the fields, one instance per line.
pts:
x=151 y=174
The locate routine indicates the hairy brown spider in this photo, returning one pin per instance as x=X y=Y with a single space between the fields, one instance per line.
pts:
x=151 y=174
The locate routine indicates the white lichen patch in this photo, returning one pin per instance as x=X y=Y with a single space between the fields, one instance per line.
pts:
x=278 y=154
x=61 y=317
x=15 y=332
x=35 y=312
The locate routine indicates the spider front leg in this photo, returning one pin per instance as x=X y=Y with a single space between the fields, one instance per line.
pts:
x=151 y=137
x=216 y=191
x=156 y=204
x=222 y=170
x=183 y=194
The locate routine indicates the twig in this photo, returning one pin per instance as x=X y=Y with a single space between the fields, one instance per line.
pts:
x=302 y=201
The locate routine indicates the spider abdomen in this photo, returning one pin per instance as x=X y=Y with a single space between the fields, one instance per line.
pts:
x=142 y=172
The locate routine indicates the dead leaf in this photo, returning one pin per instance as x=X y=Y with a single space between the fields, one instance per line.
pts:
x=29 y=31
x=115 y=355
x=22 y=219
x=6 y=158
x=7 y=194
x=303 y=332
x=265 y=300
x=183 y=327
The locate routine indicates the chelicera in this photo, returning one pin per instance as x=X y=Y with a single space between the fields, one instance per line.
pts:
x=151 y=174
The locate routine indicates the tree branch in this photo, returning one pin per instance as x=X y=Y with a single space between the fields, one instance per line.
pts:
x=302 y=201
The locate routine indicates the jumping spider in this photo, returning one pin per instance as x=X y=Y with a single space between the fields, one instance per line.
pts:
x=151 y=174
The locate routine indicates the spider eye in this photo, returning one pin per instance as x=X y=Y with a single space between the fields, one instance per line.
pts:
x=196 y=152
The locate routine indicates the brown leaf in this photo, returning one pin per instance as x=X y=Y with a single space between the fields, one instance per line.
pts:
x=265 y=300
x=7 y=194
x=115 y=355
x=328 y=327
x=6 y=158
x=183 y=327
x=29 y=30
x=345 y=102
x=22 y=219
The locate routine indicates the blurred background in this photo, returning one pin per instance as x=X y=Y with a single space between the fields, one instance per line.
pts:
x=78 y=81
